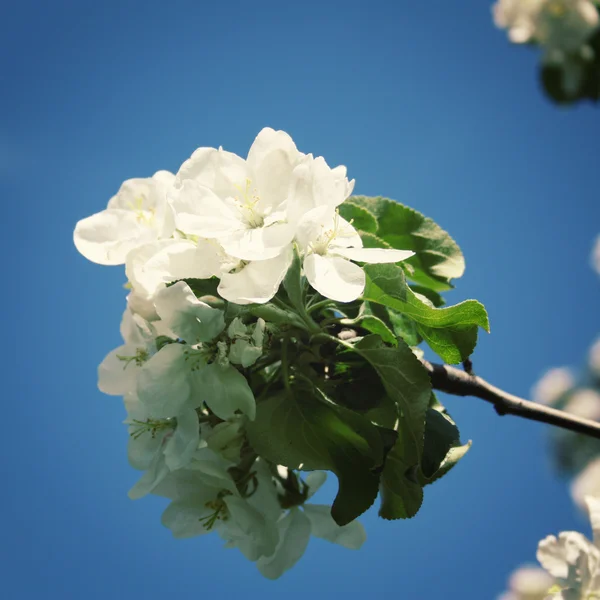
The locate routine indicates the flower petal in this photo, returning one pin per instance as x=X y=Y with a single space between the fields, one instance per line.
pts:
x=191 y=319
x=223 y=172
x=257 y=282
x=118 y=372
x=272 y=158
x=372 y=255
x=350 y=536
x=334 y=277
x=260 y=243
x=199 y=211
x=108 y=236
x=163 y=384
x=181 y=446
x=157 y=471
x=314 y=184
x=151 y=266
x=225 y=390
x=314 y=480
x=557 y=554
x=185 y=518
x=294 y=534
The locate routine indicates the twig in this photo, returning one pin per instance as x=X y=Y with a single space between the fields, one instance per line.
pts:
x=454 y=381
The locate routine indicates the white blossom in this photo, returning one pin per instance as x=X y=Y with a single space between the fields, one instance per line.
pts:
x=594 y=358
x=118 y=372
x=573 y=560
x=242 y=203
x=585 y=403
x=595 y=257
x=138 y=214
x=159 y=445
x=179 y=376
x=299 y=523
x=587 y=483
x=554 y=384
x=557 y=25
x=528 y=583
x=330 y=243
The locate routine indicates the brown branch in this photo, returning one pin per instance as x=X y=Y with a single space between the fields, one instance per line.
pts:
x=460 y=383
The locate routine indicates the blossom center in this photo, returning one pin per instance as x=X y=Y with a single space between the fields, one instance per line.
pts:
x=144 y=216
x=139 y=358
x=247 y=205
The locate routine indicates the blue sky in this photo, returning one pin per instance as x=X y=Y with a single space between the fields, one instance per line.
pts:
x=425 y=103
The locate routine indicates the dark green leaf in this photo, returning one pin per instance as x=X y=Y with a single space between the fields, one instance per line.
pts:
x=304 y=433
x=441 y=434
x=361 y=218
x=438 y=258
x=372 y=323
x=408 y=385
x=435 y=298
x=386 y=285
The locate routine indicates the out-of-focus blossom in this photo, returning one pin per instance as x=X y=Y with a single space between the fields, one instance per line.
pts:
x=553 y=385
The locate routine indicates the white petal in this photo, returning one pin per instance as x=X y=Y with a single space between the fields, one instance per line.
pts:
x=587 y=483
x=593 y=505
x=314 y=480
x=261 y=533
x=555 y=555
x=314 y=184
x=372 y=255
x=257 y=282
x=151 y=266
x=142 y=449
x=164 y=382
x=272 y=158
x=183 y=483
x=334 y=277
x=191 y=319
x=199 y=211
x=294 y=534
x=323 y=226
x=225 y=390
x=181 y=446
x=350 y=536
x=260 y=243
x=117 y=374
x=183 y=517
x=223 y=172
x=108 y=236
x=150 y=479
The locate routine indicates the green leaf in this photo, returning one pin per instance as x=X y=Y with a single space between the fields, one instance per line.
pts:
x=432 y=296
x=301 y=432
x=441 y=434
x=361 y=218
x=454 y=455
x=408 y=385
x=438 y=258
x=293 y=283
x=386 y=285
x=452 y=345
x=370 y=240
x=372 y=323
x=404 y=327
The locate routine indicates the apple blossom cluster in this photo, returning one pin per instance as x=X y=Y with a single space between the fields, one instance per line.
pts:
x=571 y=565
x=198 y=248
x=238 y=220
x=565 y=31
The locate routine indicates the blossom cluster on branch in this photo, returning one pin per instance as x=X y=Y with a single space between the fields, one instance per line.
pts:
x=571 y=564
x=568 y=33
x=271 y=329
